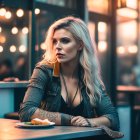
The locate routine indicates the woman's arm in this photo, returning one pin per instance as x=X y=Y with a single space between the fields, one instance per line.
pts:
x=100 y=121
x=106 y=109
x=29 y=109
x=58 y=118
x=81 y=121
x=107 y=115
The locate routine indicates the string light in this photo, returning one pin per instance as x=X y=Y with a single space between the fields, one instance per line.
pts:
x=25 y=30
x=20 y=12
x=1 y=49
x=8 y=15
x=22 y=48
x=12 y=48
x=14 y=30
x=37 y=11
x=2 y=12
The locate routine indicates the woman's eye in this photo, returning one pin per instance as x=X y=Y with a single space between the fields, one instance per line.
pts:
x=65 y=40
x=54 y=41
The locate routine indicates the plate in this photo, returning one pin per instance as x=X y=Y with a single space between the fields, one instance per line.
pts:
x=29 y=125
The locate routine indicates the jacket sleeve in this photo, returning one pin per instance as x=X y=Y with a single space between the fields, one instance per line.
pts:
x=34 y=94
x=106 y=108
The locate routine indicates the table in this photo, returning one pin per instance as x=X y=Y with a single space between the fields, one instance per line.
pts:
x=131 y=91
x=7 y=95
x=8 y=131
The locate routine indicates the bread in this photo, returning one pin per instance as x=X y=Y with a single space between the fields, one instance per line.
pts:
x=38 y=121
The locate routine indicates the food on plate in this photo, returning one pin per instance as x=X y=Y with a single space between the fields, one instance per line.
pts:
x=38 y=121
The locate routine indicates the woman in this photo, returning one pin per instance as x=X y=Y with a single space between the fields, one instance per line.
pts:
x=65 y=86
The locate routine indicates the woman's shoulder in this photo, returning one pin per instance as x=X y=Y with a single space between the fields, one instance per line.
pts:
x=44 y=68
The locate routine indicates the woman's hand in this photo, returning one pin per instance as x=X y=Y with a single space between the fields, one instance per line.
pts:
x=79 y=121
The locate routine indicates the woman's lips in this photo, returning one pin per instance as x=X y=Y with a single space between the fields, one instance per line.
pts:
x=59 y=55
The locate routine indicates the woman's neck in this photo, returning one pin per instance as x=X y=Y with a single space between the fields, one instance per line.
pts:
x=70 y=69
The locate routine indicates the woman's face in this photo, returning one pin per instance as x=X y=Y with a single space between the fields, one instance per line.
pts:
x=65 y=45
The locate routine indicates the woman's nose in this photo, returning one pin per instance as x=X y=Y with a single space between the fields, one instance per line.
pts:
x=58 y=45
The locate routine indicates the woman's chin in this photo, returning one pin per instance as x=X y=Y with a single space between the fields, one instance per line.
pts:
x=61 y=60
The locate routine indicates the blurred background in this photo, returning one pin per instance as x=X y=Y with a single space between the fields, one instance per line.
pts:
x=114 y=25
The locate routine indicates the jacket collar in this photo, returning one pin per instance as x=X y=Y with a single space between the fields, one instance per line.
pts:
x=56 y=69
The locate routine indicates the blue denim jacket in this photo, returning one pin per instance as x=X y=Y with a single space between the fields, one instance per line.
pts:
x=44 y=91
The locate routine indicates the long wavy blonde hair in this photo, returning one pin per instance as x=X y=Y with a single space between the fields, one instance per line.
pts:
x=88 y=56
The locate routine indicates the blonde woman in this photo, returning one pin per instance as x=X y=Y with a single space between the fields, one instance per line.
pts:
x=66 y=86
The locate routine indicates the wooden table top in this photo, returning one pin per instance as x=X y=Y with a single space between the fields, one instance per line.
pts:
x=8 y=131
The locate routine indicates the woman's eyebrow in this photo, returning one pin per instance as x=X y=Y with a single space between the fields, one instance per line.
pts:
x=54 y=38
x=60 y=37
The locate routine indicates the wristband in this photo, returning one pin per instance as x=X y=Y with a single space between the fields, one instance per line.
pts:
x=93 y=124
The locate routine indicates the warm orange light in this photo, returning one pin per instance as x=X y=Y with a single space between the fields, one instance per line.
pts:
x=127 y=12
x=102 y=46
x=102 y=27
x=99 y=6
x=121 y=50
x=127 y=32
x=133 y=49
x=121 y=3
x=131 y=4
x=127 y=8
x=2 y=39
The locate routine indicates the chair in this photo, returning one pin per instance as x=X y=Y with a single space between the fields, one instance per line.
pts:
x=12 y=115
x=137 y=122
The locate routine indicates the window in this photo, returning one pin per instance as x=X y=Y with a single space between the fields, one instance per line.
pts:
x=61 y=3
x=14 y=43
x=99 y=6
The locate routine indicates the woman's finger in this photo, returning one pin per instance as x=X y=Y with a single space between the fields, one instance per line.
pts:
x=85 y=124
x=80 y=124
x=74 y=119
x=80 y=121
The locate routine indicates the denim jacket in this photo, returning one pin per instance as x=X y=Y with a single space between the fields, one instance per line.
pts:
x=44 y=91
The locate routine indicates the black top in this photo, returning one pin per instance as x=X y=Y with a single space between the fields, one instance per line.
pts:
x=74 y=111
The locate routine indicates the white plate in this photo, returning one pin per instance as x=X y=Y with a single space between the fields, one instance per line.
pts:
x=28 y=125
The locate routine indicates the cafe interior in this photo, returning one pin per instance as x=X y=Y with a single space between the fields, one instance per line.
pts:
x=114 y=25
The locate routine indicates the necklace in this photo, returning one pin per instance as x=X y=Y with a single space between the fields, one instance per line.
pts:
x=66 y=89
